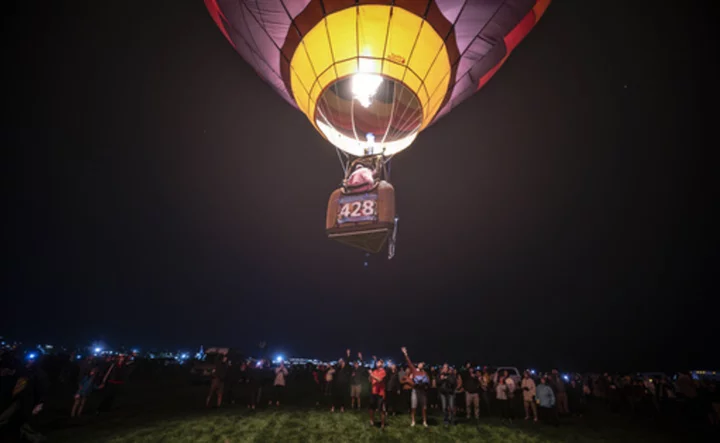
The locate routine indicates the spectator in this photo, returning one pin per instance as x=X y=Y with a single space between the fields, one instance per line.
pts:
x=281 y=374
x=245 y=391
x=85 y=387
x=546 y=401
x=714 y=399
x=217 y=385
x=502 y=395
x=232 y=379
x=486 y=391
x=471 y=386
x=114 y=382
x=432 y=392
x=560 y=393
x=254 y=381
x=576 y=396
x=393 y=390
x=329 y=381
x=406 y=391
x=447 y=383
x=529 y=391
x=341 y=391
x=420 y=383
x=359 y=375
x=377 y=392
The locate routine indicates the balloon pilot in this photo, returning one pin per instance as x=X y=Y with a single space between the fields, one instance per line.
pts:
x=365 y=171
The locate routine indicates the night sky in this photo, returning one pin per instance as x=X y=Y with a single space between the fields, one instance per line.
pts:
x=156 y=192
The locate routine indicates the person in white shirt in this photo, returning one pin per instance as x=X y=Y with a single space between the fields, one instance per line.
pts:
x=502 y=394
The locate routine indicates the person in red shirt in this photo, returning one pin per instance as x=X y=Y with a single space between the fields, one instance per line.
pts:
x=377 y=392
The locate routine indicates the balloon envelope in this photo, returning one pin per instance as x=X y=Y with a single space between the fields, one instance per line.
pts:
x=371 y=74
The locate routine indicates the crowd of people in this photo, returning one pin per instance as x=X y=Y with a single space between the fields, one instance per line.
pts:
x=409 y=387
x=25 y=387
x=474 y=392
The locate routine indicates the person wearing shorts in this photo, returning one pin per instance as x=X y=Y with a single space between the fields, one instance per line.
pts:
x=358 y=376
x=420 y=382
x=355 y=393
x=377 y=393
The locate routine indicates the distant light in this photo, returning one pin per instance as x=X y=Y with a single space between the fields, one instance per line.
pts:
x=97 y=350
x=279 y=359
x=566 y=377
x=135 y=351
x=78 y=356
x=31 y=356
x=532 y=371
x=258 y=364
x=184 y=356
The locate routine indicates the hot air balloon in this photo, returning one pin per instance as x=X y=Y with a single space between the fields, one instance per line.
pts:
x=370 y=75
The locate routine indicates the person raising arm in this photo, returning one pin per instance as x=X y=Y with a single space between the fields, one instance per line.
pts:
x=420 y=383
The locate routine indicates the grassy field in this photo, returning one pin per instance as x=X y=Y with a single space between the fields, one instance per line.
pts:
x=172 y=411
x=234 y=425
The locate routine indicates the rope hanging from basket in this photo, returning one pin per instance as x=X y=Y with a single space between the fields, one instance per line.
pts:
x=393 y=239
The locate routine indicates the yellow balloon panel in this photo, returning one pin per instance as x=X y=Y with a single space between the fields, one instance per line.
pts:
x=388 y=43
x=372 y=21
x=317 y=48
x=343 y=35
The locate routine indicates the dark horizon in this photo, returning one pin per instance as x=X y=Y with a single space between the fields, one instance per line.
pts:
x=159 y=193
